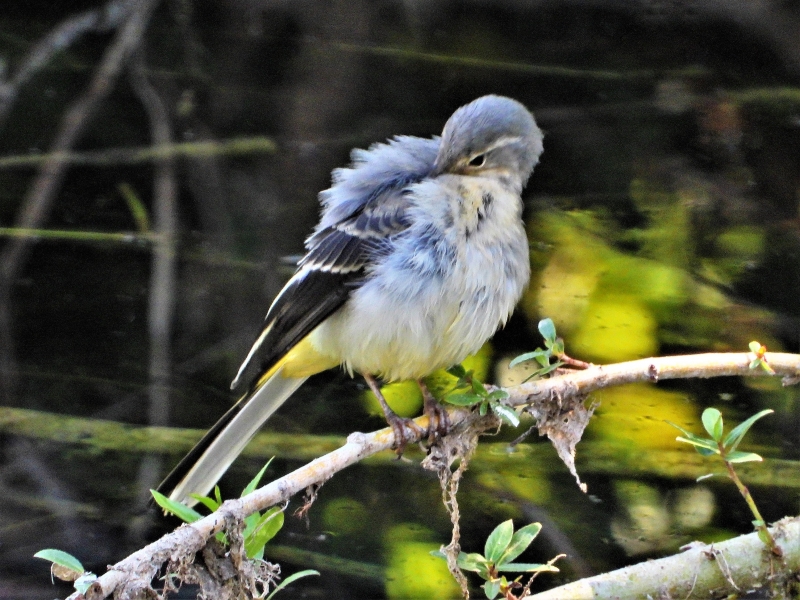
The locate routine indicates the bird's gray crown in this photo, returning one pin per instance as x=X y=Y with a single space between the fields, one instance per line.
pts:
x=491 y=123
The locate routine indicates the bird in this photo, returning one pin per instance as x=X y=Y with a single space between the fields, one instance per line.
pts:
x=419 y=257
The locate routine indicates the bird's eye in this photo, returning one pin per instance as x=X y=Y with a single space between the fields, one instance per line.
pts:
x=478 y=161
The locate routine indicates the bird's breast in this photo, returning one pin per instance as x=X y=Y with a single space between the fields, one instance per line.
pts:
x=450 y=281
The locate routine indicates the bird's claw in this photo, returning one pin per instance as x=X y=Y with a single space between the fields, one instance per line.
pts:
x=438 y=421
x=404 y=430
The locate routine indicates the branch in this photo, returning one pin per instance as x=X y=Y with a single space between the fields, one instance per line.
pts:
x=702 y=571
x=139 y=568
x=651 y=370
x=46 y=185
x=137 y=571
x=112 y=157
x=59 y=39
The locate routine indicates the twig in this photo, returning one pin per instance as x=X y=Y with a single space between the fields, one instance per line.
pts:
x=112 y=157
x=161 y=302
x=64 y=35
x=40 y=198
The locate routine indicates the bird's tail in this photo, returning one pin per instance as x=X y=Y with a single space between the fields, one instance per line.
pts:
x=202 y=467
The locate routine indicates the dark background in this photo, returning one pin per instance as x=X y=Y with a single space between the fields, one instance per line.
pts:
x=663 y=219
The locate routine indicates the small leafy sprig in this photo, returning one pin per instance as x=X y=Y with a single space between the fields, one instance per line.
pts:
x=259 y=528
x=760 y=357
x=468 y=391
x=67 y=568
x=553 y=349
x=725 y=447
x=503 y=546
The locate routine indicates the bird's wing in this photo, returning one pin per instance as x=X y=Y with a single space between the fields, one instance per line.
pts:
x=340 y=252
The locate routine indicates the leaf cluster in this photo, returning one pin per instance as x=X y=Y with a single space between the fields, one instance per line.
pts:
x=468 y=391
x=553 y=348
x=725 y=446
x=259 y=528
x=502 y=547
x=67 y=568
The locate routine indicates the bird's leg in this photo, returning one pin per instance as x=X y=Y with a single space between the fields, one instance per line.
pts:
x=400 y=426
x=438 y=420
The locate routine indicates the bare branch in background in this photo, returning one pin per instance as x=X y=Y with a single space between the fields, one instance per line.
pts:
x=163 y=273
x=62 y=37
x=42 y=193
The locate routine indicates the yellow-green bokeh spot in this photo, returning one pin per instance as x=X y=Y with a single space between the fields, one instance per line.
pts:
x=344 y=516
x=523 y=479
x=635 y=416
x=405 y=398
x=411 y=571
x=570 y=269
x=616 y=328
x=607 y=305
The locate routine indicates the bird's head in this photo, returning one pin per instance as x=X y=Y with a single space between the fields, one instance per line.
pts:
x=492 y=135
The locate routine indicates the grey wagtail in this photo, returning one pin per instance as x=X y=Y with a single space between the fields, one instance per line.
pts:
x=420 y=255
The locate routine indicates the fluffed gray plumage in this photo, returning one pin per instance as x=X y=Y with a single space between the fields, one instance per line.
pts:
x=420 y=255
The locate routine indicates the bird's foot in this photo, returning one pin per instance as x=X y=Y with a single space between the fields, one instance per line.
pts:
x=438 y=419
x=404 y=430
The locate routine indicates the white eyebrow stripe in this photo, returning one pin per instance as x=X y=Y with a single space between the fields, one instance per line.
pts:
x=504 y=141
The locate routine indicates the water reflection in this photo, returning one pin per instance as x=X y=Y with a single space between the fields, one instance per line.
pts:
x=662 y=219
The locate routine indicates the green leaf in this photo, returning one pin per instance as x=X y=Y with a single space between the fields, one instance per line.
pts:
x=265 y=529
x=217 y=494
x=558 y=347
x=548 y=329
x=755 y=347
x=530 y=356
x=492 y=589
x=209 y=503
x=755 y=363
x=479 y=388
x=61 y=558
x=472 y=562
x=712 y=421
x=526 y=568
x=462 y=399
x=498 y=541
x=544 y=370
x=702 y=445
x=520 y=541
x=457 y=371
x=482 y=408
x=742 y=457
x=737 y=433
x=508 y=415
x=291 y=579
x=544 y=360
x=250 y=523
x=696 y=439
x=183 y=512
x=84 y=582
x=497 y=395
x=254 y=482
x=136 y=206
x=685 y=432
